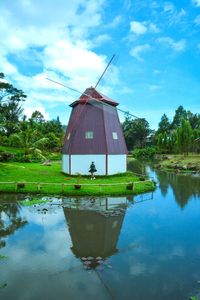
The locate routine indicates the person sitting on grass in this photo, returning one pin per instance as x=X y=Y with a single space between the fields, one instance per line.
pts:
x=92 y=170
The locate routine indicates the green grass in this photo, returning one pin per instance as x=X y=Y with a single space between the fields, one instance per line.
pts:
x=184 y=163
x=11 y=149
x=35 y=172
x=32 y=202
x=3 y=256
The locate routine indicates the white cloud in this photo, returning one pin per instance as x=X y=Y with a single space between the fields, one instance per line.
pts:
x=176 y=46
x=100 y=40
x=196 y=2
x=168 y=7
x=138 y=27
x=173 y=15
x=115 y=22
x=138 y=50
x=30 y=109
x=58 y=45
x=153 y=28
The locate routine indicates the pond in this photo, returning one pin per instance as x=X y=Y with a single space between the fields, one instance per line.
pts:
x=142 y=247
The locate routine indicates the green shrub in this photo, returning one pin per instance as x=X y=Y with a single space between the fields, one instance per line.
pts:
x=6 y=156
x=144 y=153
x=4 y=141
x=14 y=141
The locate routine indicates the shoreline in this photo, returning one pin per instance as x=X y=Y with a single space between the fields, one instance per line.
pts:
x=34 y=178
x=178 y=163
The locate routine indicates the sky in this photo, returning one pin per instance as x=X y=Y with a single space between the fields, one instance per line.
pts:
x=156 y=45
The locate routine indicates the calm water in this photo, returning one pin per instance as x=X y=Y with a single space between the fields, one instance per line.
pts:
x=146 y=247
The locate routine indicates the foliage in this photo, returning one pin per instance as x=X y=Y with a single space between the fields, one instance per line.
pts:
x=181 y=135
x=3 y=256
x=35 y=135
x=135 y=132
x=32 y=202
x=10 y=106
x=180 y=114
x=164 y=125
x=144 y=153
x=184 y=136
x=6 y=156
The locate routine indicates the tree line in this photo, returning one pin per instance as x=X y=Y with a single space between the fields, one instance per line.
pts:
x=34 y=135
x=181 y=135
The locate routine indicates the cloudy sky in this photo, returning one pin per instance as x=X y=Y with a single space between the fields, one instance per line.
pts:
x=157 y=47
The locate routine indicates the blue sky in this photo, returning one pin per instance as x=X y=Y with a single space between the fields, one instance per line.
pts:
x=157 y=47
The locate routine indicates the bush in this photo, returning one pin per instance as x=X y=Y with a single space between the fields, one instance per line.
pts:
x=4 y=141
x=6 y=156
x=144 y=153
x=14 y=141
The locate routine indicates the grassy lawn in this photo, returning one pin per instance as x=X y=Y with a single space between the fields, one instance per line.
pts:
x=11 y=149
x=35 y=172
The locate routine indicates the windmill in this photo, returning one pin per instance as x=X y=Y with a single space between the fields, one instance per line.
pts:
x=94 y=134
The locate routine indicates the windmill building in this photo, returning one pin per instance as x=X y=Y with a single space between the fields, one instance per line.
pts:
x=94 y=133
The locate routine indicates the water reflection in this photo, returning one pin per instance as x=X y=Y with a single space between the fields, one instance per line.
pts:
x=10 y=219
x=131 y=248
x=184 y=186
x=94 y=227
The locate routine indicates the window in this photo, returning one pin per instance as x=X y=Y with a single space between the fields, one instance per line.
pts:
x=89 y=134
x=114 y=135
x=68 y=136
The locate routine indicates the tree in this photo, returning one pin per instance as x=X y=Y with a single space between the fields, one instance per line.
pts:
x=164 y=125
x=37 y=117
x=30 y=141
x=135 y=132
x=163 y=142
x=180 y=113
x=10 y=106
x=184 y=137
x=194 y=120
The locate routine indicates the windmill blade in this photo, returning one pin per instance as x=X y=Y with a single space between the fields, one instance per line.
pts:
x=91 y=98
x=104 y=71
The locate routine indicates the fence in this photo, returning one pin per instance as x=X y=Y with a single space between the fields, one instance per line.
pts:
x=39 y=185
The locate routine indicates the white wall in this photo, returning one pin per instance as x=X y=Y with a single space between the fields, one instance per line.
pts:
x=65 y=163
x=81 y=163
x=116 y=164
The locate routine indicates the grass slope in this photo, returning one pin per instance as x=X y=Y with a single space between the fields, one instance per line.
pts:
x=179 y=162
x=35 y=172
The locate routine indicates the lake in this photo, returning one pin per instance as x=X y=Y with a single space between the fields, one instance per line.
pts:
x=141 y=247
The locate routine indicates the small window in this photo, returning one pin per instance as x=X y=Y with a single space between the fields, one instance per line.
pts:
x=89 y=134
x=68 y=136
x=114 y=135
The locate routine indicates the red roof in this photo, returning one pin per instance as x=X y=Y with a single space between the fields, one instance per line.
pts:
x=92 y=94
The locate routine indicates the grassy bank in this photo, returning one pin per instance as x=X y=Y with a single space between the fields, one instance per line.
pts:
x=179 y=163
x=33 y=173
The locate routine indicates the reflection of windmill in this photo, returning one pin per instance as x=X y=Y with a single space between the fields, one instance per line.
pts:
x=95 y=230
x=94 y=225
x=94 y=133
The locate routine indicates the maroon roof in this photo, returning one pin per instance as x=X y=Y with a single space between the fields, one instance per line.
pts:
x=102 y=119
x=90 y=94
